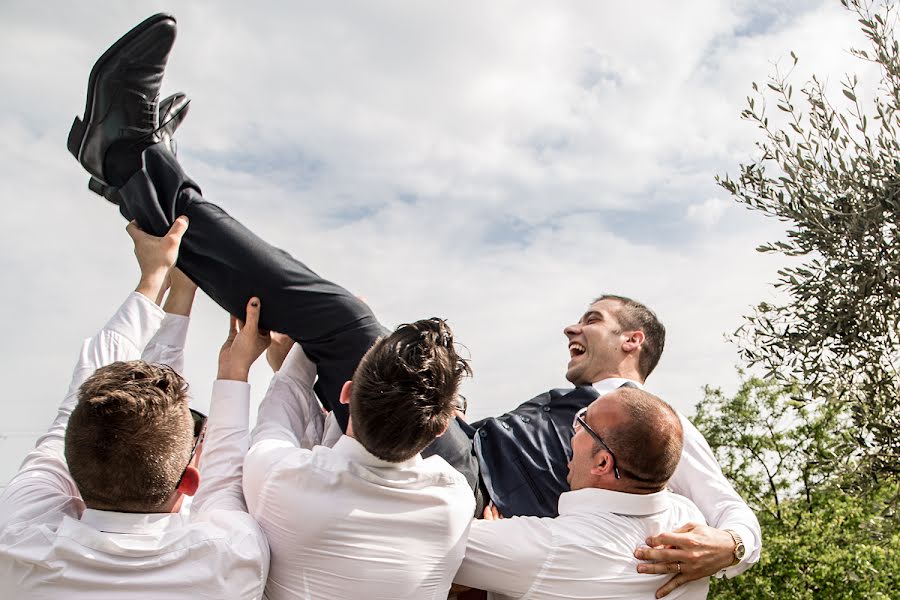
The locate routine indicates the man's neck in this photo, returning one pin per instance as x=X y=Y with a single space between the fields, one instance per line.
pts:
x=610 y=384
x=626 y=487
x=629 y=374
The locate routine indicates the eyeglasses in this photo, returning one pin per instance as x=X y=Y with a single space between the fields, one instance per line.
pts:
x=199 y=432
x=579 y=422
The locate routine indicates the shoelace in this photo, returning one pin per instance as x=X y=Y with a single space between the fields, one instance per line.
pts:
x=149 y=112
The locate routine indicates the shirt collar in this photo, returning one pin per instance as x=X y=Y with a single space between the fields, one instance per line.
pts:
x=354 y=451
x=117 y=522
x=594 y=500
x=605 y=386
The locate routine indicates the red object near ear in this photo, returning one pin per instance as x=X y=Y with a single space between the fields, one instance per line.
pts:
x=190 y=481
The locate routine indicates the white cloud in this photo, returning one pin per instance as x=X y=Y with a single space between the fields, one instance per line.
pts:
x=708 y=212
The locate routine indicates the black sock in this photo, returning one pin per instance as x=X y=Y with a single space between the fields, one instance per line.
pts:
x=122 y=160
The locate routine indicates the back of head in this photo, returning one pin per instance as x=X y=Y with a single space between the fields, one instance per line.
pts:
x=404 y=389
x=129 y=437
x=647 y=441
x=632 y=316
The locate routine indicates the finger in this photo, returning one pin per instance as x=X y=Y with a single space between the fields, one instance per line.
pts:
x=176 y=231
x=232 y=327
x=668 y=538
x=661 y=555
x=487 y=514
x=670 y=585
x=253 y=314
x=687 y=527
x=655 y=568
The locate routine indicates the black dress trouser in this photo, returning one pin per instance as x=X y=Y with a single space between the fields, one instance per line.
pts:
x=231 y=264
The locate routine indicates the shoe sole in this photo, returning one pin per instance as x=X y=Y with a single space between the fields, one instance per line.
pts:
x=75 y=142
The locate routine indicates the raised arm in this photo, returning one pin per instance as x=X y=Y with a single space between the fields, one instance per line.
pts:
x=167 y=346
x=228 y=428
x=44 y=476
x=695 y=550
x=290 y=418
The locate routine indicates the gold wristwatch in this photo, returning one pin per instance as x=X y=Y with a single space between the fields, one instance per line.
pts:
x=739 y=549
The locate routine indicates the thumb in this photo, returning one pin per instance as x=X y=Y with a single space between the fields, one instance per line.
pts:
x=178 y=228
x=134 y=230
x=687 y=527
x=252 y=314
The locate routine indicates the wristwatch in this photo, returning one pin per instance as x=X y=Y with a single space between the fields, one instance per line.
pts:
x=739 y=549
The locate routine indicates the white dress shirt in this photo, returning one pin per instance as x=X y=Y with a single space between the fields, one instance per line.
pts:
x=341 y=522
x=585 y=552
x=52 y=547
x=699 y=477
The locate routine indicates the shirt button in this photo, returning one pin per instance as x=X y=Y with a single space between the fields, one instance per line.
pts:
x=482 y=433
x=546 y=408
x=526 y=420
x=505 y=425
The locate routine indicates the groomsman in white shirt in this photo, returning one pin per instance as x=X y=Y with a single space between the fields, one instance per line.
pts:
x=94 y=510
x=362 y=514
x=625 y=449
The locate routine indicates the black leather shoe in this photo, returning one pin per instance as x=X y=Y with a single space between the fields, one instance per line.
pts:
x=172 y=112
x=121 y=115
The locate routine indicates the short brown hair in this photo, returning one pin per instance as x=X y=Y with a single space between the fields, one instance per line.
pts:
x=648 y=442
x=633 y=315
x=130 y=436
x=404 y=389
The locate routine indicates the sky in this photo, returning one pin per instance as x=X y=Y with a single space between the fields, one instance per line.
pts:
x=496 y=164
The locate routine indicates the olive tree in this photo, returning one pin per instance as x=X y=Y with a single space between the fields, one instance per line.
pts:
x=829 y=168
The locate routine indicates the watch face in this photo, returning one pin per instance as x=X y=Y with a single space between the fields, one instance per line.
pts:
x=739 y=551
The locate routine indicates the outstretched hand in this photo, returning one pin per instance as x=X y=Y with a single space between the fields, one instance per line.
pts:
x=692 y=551
x=156 y=256
x=245 y=343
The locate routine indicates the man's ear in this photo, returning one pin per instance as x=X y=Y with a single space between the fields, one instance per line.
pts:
x=446 y=427
x=603 y=464
x=634 y=341
x=345 y=392
x=190 y=481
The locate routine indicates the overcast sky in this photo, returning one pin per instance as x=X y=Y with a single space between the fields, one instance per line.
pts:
x=498 y=164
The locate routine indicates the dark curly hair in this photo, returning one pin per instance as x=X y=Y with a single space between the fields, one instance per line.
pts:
x=404 y=389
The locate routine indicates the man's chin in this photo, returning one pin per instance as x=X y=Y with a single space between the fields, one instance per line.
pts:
x=575 y=377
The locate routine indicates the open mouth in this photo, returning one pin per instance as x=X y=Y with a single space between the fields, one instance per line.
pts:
x=576 y=349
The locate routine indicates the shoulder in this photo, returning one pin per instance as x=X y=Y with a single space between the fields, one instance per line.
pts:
x=684 y=509
x=440 y=473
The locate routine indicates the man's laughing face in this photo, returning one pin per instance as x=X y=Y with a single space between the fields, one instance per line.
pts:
x=595 y=343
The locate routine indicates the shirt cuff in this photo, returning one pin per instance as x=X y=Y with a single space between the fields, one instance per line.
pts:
x=750 y=545
x=137 y=319
x=230 y=404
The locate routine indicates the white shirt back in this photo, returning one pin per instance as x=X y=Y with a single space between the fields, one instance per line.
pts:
x=341 y=522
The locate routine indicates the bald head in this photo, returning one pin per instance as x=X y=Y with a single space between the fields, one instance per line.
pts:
x=644 y=433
